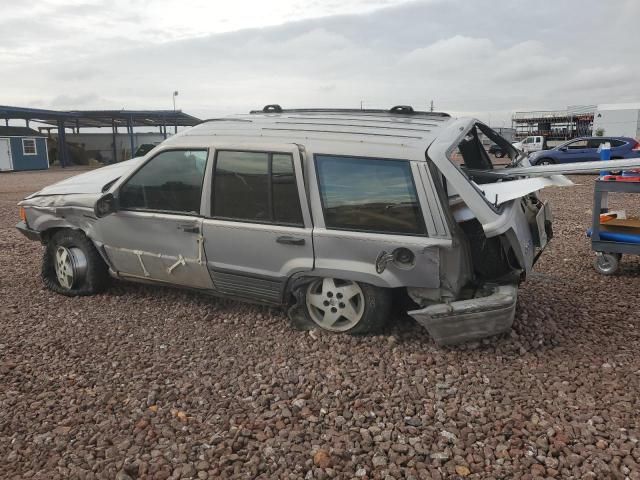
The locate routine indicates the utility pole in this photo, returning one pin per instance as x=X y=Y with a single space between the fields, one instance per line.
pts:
x=431 y=106
x=360 y=104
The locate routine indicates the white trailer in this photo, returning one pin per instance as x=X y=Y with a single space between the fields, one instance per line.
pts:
x=617 y=120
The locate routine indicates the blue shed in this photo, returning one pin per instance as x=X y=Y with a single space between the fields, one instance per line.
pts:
x=22 y=148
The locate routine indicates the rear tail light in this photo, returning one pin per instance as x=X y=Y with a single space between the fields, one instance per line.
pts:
x=636 y=147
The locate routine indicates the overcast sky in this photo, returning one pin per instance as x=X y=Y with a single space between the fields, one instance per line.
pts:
x=486 y=58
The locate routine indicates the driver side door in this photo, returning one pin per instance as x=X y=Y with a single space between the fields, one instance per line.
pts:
x=156 y=233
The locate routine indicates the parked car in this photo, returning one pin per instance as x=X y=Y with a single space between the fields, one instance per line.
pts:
x=497 y=150
x=145 y=148
x=533 y=143
x=324 y=212
x=585 y=149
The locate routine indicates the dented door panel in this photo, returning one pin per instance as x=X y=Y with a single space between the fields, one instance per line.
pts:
x=155 y=246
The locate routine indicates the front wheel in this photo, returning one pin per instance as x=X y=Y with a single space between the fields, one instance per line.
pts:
x=72 y=266
x=347 y=306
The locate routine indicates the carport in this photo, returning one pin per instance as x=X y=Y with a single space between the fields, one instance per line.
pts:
x=114 y=119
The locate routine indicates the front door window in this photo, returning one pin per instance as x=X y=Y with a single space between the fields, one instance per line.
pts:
x=169 y=182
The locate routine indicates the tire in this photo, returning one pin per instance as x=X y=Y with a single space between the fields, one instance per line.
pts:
x=607 y=263
x=545 y=161
x=72 y=266
x=499 y=154
x=345 y=306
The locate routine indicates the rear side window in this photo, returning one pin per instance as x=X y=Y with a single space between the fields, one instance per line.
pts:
x=256 y=187
x=170 y=182
x=595 y=143
x=616 y=143
x=369 y=195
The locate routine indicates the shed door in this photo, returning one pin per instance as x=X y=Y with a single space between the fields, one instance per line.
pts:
x=5 y=155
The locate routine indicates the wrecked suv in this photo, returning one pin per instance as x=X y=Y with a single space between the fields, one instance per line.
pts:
x=325 y=212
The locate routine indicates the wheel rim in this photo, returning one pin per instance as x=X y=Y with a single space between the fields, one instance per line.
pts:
x=335 y=305
x=606 y=263
x=545 y=162
x=70 y=266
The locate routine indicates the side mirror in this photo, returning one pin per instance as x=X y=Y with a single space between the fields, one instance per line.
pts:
x=563 y=149
x=106 y=205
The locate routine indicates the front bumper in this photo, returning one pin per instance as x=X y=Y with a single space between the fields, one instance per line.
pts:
x=27 y=232
x=466 y=320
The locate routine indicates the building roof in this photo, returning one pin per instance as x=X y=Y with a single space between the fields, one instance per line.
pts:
x=19 y=132
x=323 y=130
x=619 y=106
x=572 y=111
x=100 y=118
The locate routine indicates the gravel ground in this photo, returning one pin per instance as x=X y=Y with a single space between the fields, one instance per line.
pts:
x=145 y=382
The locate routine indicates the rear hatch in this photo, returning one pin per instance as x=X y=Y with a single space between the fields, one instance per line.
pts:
x=502 y=198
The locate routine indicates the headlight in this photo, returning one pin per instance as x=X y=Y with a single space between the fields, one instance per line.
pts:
x=23 y=215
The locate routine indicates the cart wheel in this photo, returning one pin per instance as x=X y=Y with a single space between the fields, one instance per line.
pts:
x=607 y=263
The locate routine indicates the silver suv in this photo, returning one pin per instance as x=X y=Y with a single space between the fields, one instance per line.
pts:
x=326 y=212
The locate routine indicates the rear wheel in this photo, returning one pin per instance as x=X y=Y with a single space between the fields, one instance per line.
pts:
x=607 y=263
x=347 y=306
x=72 y=266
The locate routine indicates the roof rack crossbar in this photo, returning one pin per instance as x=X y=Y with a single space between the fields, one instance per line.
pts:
x=399 y=110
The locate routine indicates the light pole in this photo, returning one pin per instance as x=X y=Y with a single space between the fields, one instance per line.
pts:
x=175 y=125
x=175 y=94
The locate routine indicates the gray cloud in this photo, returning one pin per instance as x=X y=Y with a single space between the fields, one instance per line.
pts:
x=494 y=56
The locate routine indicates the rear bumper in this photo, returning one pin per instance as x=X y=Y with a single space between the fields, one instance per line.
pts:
x=27 y=232
x=466 y=320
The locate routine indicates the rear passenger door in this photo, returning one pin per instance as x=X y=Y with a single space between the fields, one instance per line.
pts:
x=258 y=230
x=592 y=146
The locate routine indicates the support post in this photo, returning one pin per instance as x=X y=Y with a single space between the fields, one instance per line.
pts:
x=131 y=139
x=62 y=144
x=114 y=131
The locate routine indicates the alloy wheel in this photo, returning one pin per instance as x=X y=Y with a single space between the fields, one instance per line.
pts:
x=70 y=266
x=335 y=305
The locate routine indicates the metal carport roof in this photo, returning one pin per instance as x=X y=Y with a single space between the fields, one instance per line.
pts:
x=76 y=119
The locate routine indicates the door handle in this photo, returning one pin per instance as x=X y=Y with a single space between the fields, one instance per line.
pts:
x=189 y=228
x=287 y=240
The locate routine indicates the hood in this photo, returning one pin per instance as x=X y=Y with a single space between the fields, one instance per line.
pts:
x=90 y=182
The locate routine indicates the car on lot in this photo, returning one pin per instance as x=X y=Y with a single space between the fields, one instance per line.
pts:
x=585 y=149
x=328 y=213
x=532 y=143
x=497 y=151
x=145 y=148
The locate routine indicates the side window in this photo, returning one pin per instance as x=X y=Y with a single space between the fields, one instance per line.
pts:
x=616 y=143
x=578 y=144
x=170 y=182
x=29 y=146
x=595 y=143
x=370 y=195
x=256 y=187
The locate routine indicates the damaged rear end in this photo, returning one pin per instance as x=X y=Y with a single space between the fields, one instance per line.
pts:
x=502 y=225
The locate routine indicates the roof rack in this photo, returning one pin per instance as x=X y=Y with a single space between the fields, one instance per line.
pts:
x=396 y=110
